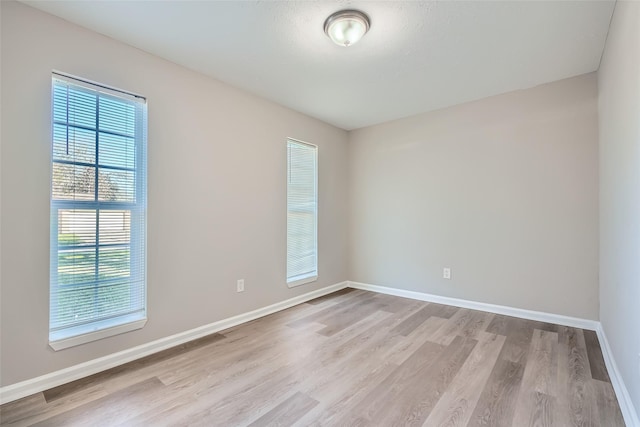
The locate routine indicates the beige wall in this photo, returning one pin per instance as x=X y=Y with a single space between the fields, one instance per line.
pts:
x=504 y=191
x=217 y=189
x=619 y=108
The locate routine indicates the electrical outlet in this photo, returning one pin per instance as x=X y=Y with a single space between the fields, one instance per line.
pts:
x=446 y=273
x=240 y=285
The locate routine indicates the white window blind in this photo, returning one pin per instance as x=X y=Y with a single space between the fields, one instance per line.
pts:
x=98 y=211
x=302 y=212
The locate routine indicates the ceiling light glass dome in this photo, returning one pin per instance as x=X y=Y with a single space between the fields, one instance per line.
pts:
x=346 y=27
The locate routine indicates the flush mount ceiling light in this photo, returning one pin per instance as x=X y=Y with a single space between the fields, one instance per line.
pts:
x=346 y=27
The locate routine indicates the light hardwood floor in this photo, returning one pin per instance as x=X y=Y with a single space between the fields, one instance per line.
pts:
x=350 y=358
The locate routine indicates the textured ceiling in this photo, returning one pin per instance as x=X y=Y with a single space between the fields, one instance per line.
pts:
x=417 y=57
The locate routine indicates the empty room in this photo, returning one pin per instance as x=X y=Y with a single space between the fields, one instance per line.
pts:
x=319 y=213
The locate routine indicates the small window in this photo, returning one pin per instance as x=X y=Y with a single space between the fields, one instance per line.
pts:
x=302 y=213
x=98 y=212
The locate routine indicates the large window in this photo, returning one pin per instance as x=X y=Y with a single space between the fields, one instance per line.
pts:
x=302 y=213
x=98 y=212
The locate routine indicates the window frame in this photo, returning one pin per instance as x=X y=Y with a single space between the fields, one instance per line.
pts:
x=61 y=337
x=302 y=279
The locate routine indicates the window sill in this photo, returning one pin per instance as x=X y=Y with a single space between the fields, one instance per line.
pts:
x=72 y=337
x=302 y=280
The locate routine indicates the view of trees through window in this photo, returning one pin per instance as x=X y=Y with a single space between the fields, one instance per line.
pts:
x=94 y=202
x=82 y=185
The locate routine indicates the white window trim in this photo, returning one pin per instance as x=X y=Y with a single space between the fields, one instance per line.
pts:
x=311 y=277
x=81 y=334
x=303 y=280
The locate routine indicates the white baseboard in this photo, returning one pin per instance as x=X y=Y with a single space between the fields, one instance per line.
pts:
x=541 y=316
x=35 y=385
x=624 y=399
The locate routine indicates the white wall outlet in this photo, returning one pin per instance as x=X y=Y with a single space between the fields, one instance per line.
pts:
x=446 y=273
x=240 y=285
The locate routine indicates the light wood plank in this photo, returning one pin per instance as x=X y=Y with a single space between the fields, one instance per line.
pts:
x=412 y=401
x=576 y=395
x=453 y=327
x=496 y=404
x=286 y=413
x=539 y=381
x=607 y=403
x=110 y=410
x=460 y=398
x=431 y=310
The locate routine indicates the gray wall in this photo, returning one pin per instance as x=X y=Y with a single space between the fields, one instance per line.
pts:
x=619 y=104
x=217 y=191
x=504 y=191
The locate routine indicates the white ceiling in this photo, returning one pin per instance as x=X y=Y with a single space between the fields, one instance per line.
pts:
x=417 y=57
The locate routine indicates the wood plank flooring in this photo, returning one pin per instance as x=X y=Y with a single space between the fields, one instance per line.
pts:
x=351 y=358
